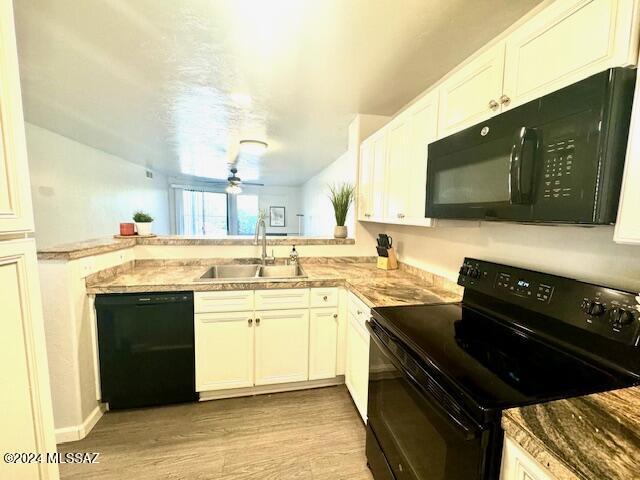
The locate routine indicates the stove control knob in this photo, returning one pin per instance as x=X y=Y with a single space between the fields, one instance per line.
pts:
x=474 y=273
x=586 y=305
x=626 y=317
x=596 y=309
x=620 y=316
x=464 y=270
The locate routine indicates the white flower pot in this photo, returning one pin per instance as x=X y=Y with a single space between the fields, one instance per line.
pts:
x=340 y=231
x=143 y=229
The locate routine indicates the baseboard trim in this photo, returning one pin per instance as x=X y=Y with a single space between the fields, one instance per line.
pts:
x=266 y=389
x=78 y=432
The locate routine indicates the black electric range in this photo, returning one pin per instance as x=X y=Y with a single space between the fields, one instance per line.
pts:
x=440 y=375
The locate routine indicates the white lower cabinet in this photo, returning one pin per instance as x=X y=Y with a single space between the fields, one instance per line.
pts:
x=267 y=346
x=281 y=346
x=357 y=371
x=519 y=465
x=25 y=416
x=323 y=343
x=224 y=350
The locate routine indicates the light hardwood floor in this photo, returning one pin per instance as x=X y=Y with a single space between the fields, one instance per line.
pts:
x=309 y=434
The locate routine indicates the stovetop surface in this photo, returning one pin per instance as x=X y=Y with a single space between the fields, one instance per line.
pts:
x=491 y=364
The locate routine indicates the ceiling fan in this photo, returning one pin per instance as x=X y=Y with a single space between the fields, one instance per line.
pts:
x=234 y=183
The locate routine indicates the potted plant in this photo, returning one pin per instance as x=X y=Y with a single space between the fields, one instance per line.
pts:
x=143 y=223
x=341 y=198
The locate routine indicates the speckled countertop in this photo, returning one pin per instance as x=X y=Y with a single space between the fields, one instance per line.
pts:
x=592 y=437
x=374 y=286
x=87 y=248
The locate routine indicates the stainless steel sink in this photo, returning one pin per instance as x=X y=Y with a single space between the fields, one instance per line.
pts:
x=251 y=272
x=282 y=271
x=221 y=272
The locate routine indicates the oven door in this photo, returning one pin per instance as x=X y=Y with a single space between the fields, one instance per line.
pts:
x=414 y=425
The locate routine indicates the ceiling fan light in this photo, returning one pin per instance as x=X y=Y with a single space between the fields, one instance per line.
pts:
x=233 y=189
x=253 y=147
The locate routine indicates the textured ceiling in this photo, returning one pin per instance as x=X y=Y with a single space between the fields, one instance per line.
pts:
x=174 y=85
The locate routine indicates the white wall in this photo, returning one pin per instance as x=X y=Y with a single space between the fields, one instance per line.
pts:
x=579 y=252
x=318 y=211
x=80 y=192
x=288 y=197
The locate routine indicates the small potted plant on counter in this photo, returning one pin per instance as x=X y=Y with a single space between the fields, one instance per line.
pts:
x=341 y=198
x=143 y=223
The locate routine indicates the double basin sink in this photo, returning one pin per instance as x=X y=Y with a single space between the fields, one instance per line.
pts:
x=251 y=272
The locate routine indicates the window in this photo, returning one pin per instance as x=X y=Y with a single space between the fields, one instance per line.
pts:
x=247 y=208
x=213 y=213
x=204 y=213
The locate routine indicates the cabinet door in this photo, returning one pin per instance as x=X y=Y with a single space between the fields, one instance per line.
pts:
x=281 y=346
x=365 y=170
x=15 y=198
x=26 y=415
x=472 y=93
x=628 y=223
x=423 y=123
x=519 y=465
x=567 y=42
x=348 y=359
x=357 y=369
x=398 y=169
x=224 y=350
x=378 y=194
x=323 y=343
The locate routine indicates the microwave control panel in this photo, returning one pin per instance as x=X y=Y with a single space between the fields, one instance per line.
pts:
x=559 y=165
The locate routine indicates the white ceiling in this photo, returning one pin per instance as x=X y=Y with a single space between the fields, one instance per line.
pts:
x=174 y=85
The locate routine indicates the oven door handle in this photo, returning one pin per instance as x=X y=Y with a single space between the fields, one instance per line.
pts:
x=516 y=194
x=466 y=428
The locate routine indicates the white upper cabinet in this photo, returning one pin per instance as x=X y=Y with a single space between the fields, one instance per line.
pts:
x=398 y=168
x=15 y=200
x=567 y=42
x=378 y=194
x=372 y=171
x=408 y=138
x=628 y=223
x=364 y=180
x=472 y=94
x=423 y=128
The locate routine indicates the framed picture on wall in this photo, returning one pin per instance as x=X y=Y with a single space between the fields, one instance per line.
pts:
x=276 y=217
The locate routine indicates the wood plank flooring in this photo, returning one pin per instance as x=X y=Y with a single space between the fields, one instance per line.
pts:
x=308 y=435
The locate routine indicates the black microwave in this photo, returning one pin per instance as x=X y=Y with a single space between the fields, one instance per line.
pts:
x=557 y=159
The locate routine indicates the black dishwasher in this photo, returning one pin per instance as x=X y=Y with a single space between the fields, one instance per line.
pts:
x=146 y=348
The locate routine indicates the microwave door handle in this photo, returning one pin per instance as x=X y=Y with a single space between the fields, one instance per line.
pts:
x=521 y=137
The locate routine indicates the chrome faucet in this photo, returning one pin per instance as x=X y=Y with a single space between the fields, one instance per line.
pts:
x=261 y=224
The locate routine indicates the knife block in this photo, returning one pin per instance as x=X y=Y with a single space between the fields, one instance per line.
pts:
x=390 y=262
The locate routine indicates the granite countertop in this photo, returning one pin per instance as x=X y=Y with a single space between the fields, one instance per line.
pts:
x=591 y=437
x=374 y=286
x=87 y=248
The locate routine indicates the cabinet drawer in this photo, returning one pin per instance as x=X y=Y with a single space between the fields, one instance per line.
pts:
x=282 y=299
x=324 y=297
x=358 y=309
x=231 y=301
